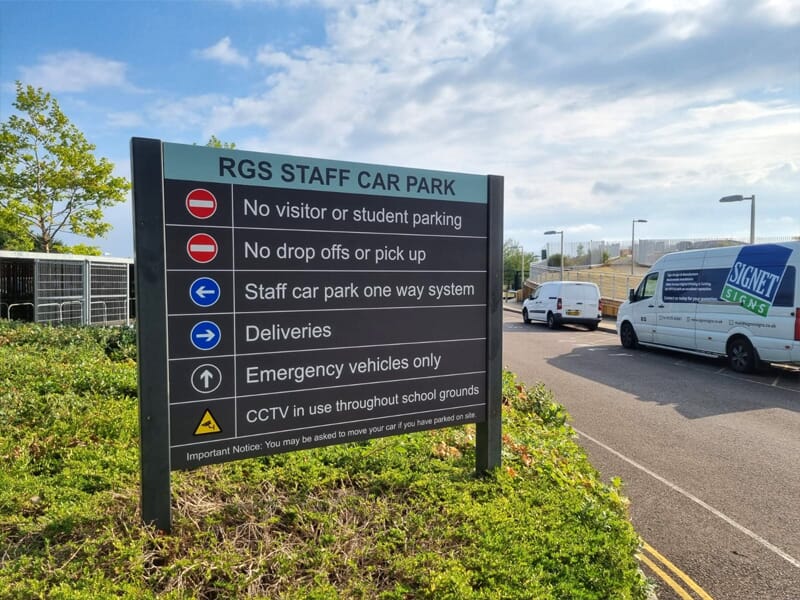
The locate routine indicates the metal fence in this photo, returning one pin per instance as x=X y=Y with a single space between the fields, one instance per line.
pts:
x=109 y=292
x=66 y=289
x=616 y=285
x=612 y=285
x=647 y=250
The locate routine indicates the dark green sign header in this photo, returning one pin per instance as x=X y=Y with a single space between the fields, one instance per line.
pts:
x=200 y=163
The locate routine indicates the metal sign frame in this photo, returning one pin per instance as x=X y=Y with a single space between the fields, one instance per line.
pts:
x=188 y=346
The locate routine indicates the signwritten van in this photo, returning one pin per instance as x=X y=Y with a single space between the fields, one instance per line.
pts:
x=740 y=302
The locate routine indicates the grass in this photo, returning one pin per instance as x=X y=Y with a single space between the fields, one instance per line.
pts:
x=394 y=518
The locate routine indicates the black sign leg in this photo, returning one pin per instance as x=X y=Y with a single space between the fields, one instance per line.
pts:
x=489 y=439
x=148 y=222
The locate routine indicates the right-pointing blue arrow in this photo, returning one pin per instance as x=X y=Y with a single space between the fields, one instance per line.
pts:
x=205 y=335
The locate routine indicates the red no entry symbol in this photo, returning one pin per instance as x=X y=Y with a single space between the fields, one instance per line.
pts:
x=202 y=248
x=201 y=203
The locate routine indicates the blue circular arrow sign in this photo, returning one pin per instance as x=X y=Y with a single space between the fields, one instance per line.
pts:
x=205 y=335
x=204 y=291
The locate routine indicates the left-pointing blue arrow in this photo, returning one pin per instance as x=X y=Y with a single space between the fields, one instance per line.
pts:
x=205 y=335
x=204 y=291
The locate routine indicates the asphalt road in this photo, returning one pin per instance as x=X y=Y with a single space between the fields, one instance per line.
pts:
x=708 y=457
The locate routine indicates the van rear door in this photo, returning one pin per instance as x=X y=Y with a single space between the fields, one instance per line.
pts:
x=591 y=301
x=574 y=301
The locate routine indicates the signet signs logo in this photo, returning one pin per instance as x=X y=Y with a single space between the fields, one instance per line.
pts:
x=755 y=277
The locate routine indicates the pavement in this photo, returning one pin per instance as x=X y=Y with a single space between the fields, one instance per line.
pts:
x=608 y=324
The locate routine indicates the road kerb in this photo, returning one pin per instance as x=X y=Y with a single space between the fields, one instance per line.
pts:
x=606 y=325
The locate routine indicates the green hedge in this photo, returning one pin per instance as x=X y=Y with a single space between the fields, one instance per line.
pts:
x=395 y=518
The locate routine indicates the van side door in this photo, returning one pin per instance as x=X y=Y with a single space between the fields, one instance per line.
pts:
x=643 y=308
x=677 y=308
x=535 y=304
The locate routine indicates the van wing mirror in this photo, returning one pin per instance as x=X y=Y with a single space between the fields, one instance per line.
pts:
x=631 y=295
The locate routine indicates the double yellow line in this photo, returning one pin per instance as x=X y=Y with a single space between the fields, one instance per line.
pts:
x=651 y=557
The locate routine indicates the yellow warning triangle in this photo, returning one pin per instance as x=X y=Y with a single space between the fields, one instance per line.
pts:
x=207 y=424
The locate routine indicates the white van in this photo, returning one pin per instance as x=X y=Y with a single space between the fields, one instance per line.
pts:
x=557 y=302
x=740 y=302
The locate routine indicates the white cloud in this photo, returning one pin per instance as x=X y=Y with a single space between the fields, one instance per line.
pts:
x=189 y=113
x=223 y=52
x=783 y=12
x=271 y=58
x=741 y=110
x=74 y=71
x=593 y=112
x=125 y=119
x=583 y=229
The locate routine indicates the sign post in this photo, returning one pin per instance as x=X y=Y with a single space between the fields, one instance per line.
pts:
x=148 y=221
x=289 y=302
x=489 y=433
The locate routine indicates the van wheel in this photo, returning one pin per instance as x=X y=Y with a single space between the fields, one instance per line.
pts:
x=741 y=355
x=592 y=326
x=628 y=336
x=525 y=318
x=551 y=320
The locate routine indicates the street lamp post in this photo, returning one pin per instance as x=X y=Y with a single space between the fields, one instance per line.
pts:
x=740 y=198
x=633 y=230
x=561 y=233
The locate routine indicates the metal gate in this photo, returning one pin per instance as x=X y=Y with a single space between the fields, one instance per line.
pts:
x=108 y=293
x=59 y=292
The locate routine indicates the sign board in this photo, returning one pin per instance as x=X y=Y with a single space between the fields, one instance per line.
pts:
x=288 y=303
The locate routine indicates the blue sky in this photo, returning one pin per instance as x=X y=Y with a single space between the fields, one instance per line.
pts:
x=596 y=113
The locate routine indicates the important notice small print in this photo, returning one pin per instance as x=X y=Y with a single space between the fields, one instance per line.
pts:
x=207 y=425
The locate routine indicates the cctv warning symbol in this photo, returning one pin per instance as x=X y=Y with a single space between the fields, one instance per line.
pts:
x=207 y=424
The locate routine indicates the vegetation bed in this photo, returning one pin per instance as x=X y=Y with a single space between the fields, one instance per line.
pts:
x=396 y=518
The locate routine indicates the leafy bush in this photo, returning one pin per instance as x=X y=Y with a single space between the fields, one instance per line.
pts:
x=393 y=518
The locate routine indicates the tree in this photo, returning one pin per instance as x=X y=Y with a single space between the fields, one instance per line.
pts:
x=85 y=250
x=513 y=260
x=13 y=235
x=50 y=180
x=59 y=247
x=554 y=260
x=215 y=142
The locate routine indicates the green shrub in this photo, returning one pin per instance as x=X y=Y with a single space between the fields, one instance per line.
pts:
x=393 y=518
